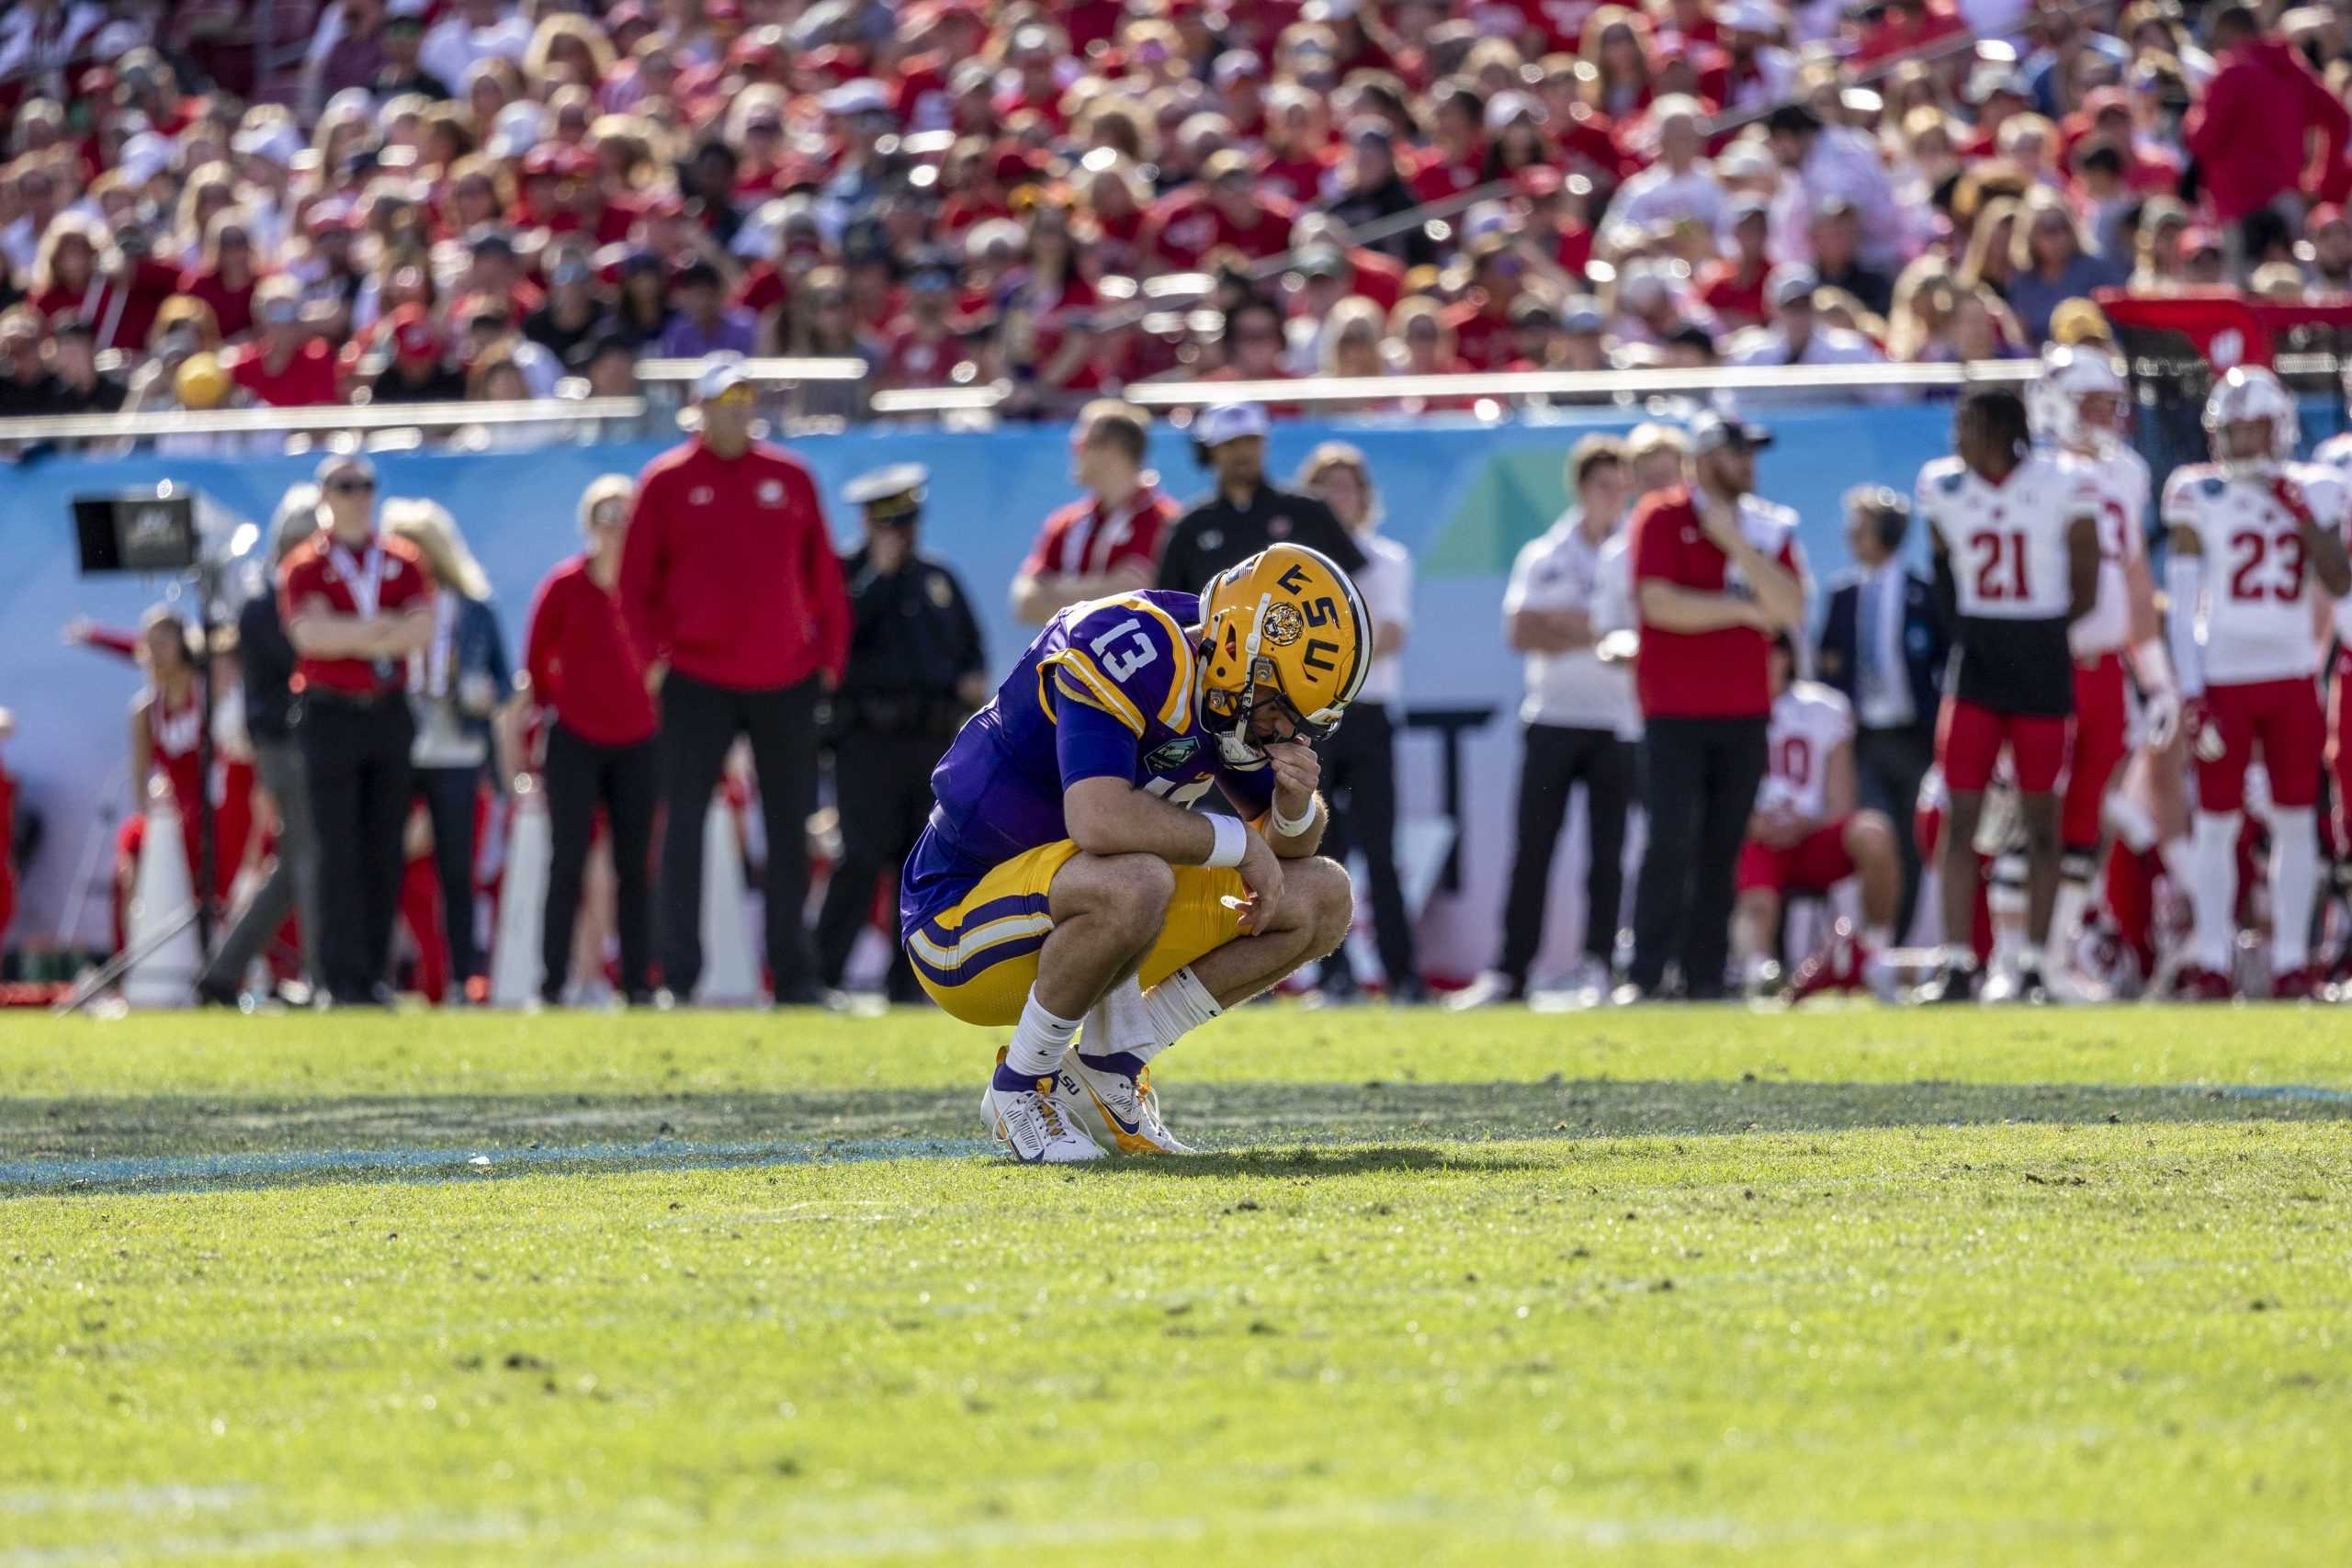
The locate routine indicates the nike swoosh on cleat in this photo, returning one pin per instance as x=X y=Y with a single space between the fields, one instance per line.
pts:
x=1130 y=1142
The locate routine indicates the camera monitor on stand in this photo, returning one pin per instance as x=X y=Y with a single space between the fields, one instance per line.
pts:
x=147 y=531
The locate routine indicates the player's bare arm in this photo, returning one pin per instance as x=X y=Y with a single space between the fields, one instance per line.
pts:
x=1107 y=818
x=2082 y=567
x=1547 y=631
x=1672 y=607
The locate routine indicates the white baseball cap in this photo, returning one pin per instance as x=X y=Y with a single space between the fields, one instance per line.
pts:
x=718 y=373
x=1228 y=422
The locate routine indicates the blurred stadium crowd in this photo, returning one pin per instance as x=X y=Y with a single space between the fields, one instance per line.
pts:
x=305 y=202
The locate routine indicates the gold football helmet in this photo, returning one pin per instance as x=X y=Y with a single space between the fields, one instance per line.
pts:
x=1284 y=648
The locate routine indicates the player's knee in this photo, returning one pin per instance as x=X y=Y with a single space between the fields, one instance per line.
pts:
x=1331 y=896
x=1870 y=836
x=1128 y=893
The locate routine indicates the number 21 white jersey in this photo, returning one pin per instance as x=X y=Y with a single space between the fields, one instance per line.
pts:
x=2007 y=541
x=2119 y=477
x=2254 y=622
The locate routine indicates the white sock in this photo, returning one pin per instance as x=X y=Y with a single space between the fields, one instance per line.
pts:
x=2065 y=920
x=1039 y=1040
x=2294 y=886
x=1756 y=966
x=1878 y=939
x=2213 y=888
x=2179 y=863
x=2005 y=901
x=1175 y=1007
x=1118 y=1022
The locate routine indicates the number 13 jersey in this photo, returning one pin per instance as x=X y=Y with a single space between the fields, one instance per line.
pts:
x=2012 y=576
x=999 y=789
x=2255 y=621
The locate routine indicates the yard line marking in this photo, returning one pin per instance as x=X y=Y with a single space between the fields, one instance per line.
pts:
x=140 y=1169
x=162 y=1499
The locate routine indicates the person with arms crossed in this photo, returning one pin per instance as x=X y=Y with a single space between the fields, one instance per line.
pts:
x=734 y=595
x=2251 y=533
x=1578 y=727
x=357 y=605
x=1807 y=834
x=1716 y=576
x=2078 y=409
x=1108 y=543
x=1063 y=878
x=2016 y=537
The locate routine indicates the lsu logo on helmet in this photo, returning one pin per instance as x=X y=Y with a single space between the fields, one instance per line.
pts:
x=1284 y=626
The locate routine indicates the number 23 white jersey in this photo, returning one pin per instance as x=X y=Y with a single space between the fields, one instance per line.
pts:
x=2119 y=477
x=2254 y=622
x=2007 y=541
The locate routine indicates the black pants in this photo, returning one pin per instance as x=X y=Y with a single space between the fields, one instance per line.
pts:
x=355 y=756
x=699 y=722
x=1553 y=759
x=625 y=780
x=882 y=786
x=449 y=796
x=1888 y=766
x=1700 y=789
x=1360 y=790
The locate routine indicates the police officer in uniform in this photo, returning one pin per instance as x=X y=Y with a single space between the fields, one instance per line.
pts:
x=1245 y=514
x=916 y=671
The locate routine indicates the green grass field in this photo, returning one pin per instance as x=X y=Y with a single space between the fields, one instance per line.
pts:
x=1697 y=1286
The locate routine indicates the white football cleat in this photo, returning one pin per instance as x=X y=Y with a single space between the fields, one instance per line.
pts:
x=1121 y=1111
x=1034 y=1126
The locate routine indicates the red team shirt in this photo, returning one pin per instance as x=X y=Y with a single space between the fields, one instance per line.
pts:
x=322 y=570
x=1083 y=540
x=582 y=662
x=1717 y=674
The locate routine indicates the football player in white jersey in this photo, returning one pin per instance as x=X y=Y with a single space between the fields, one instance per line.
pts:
x=2078 y=409
x=2016 y=556
x=1808 y=835
x=2336 y=453
x=2253 y=534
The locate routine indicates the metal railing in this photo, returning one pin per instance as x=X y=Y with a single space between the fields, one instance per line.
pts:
x=670 y=381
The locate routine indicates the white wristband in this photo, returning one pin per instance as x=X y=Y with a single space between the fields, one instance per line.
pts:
x=1232 y=841
x=1286 y=827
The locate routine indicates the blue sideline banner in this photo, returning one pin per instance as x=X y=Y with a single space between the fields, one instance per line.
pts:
x=1462 y=495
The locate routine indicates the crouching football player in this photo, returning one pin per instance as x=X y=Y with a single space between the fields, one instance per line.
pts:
x=1806 y=836
x=1062 y=879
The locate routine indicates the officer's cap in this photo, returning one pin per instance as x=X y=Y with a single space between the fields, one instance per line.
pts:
x=888 y=494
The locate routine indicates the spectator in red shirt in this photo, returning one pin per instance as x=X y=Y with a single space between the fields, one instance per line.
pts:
x=1226 y=210
x=355 y=605
x=598 y=739
x=225 y=273
x=1481 y=320
x=1109 y=542
x=2253 y=135
x=734 y=598
x=286 y=366
x=1732 y=286
x=1715 y=577
x=1456 y=154
x=1906 y=26
x=923 y=348
x=76 y=273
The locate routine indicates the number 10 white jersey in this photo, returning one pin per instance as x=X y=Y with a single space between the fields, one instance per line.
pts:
x=2255 y=623
x=2007 y=541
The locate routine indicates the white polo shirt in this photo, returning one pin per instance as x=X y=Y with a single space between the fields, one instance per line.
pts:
x=1562 y=571
x=1386 y=584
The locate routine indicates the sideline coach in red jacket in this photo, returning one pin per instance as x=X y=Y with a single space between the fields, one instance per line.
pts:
x=733 y=594
x=1715 y=579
